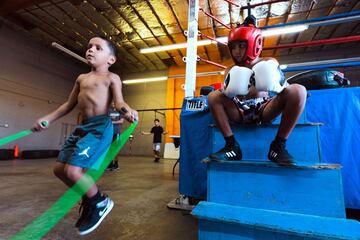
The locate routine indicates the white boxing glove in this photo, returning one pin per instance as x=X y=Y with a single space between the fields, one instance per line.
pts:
x=269 y=77
x=237 y=81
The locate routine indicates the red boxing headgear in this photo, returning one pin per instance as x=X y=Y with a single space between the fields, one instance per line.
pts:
x=252 y=36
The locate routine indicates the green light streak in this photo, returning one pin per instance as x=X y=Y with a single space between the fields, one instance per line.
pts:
x=14 y=137
x=45 y=222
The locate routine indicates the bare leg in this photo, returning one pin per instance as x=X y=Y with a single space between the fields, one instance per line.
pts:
x=291 y=103
x=223 y=109
x=295 y=100
x=59 y=171
x=69 y=175
x=95 y=206
x=74 y=173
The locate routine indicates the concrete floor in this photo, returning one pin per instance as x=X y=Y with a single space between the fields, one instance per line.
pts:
x=140 y=189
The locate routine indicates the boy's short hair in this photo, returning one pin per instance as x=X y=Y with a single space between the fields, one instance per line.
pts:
x=111 y=45
x=156 y=120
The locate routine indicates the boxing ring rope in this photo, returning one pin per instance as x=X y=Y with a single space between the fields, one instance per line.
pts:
x=349 y=62
x=212 y=39
x=334 y=61
x=214 y=18
x=232 y=3
x=301 y=44
x=211 y=62
x=315 y=22
x=334 y=65
x=242 y=8
x=344 y=62
x=314 y=43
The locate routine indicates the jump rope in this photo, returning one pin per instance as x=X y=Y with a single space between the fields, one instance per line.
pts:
x=45 y=222
x=21 y=134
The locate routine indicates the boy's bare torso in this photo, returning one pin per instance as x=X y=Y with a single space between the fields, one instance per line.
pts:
x=94 y=96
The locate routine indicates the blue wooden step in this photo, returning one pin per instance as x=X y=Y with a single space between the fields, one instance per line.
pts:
x=226 y=222
x=308 y=189
x=303 y=143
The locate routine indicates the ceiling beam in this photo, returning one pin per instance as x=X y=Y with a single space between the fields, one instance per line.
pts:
x=9 y=6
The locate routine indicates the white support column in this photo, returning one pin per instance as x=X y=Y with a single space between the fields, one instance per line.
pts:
x=191 y=51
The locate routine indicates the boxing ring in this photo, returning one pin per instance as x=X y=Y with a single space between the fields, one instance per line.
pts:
x=339 y=135
x=338 y=109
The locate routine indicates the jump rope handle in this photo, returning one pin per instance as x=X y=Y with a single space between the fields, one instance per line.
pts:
x=44 y=124
x=124 y=110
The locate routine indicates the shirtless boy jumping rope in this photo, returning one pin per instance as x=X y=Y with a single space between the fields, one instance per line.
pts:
x=93 y=93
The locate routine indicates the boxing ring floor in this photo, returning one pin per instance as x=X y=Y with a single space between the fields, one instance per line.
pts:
x=140 y=190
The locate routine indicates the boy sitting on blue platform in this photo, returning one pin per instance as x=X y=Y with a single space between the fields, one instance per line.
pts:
x=245 y=97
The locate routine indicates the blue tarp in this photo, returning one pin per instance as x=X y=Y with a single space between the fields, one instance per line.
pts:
x=338 y=109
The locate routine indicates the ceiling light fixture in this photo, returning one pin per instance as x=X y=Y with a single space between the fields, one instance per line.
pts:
x=284 y=30
x=265 y=33
x=67 y=51
x=164 y=78
x=143 y=80
x=173 y=46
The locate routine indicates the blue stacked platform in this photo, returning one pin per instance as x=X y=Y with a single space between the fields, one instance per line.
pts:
x=304 y=143
x=257 y=199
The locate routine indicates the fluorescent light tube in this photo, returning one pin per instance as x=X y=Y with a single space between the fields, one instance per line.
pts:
x=284 y=30
x=174 y=46
x=142 y=80
x=265 y=33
